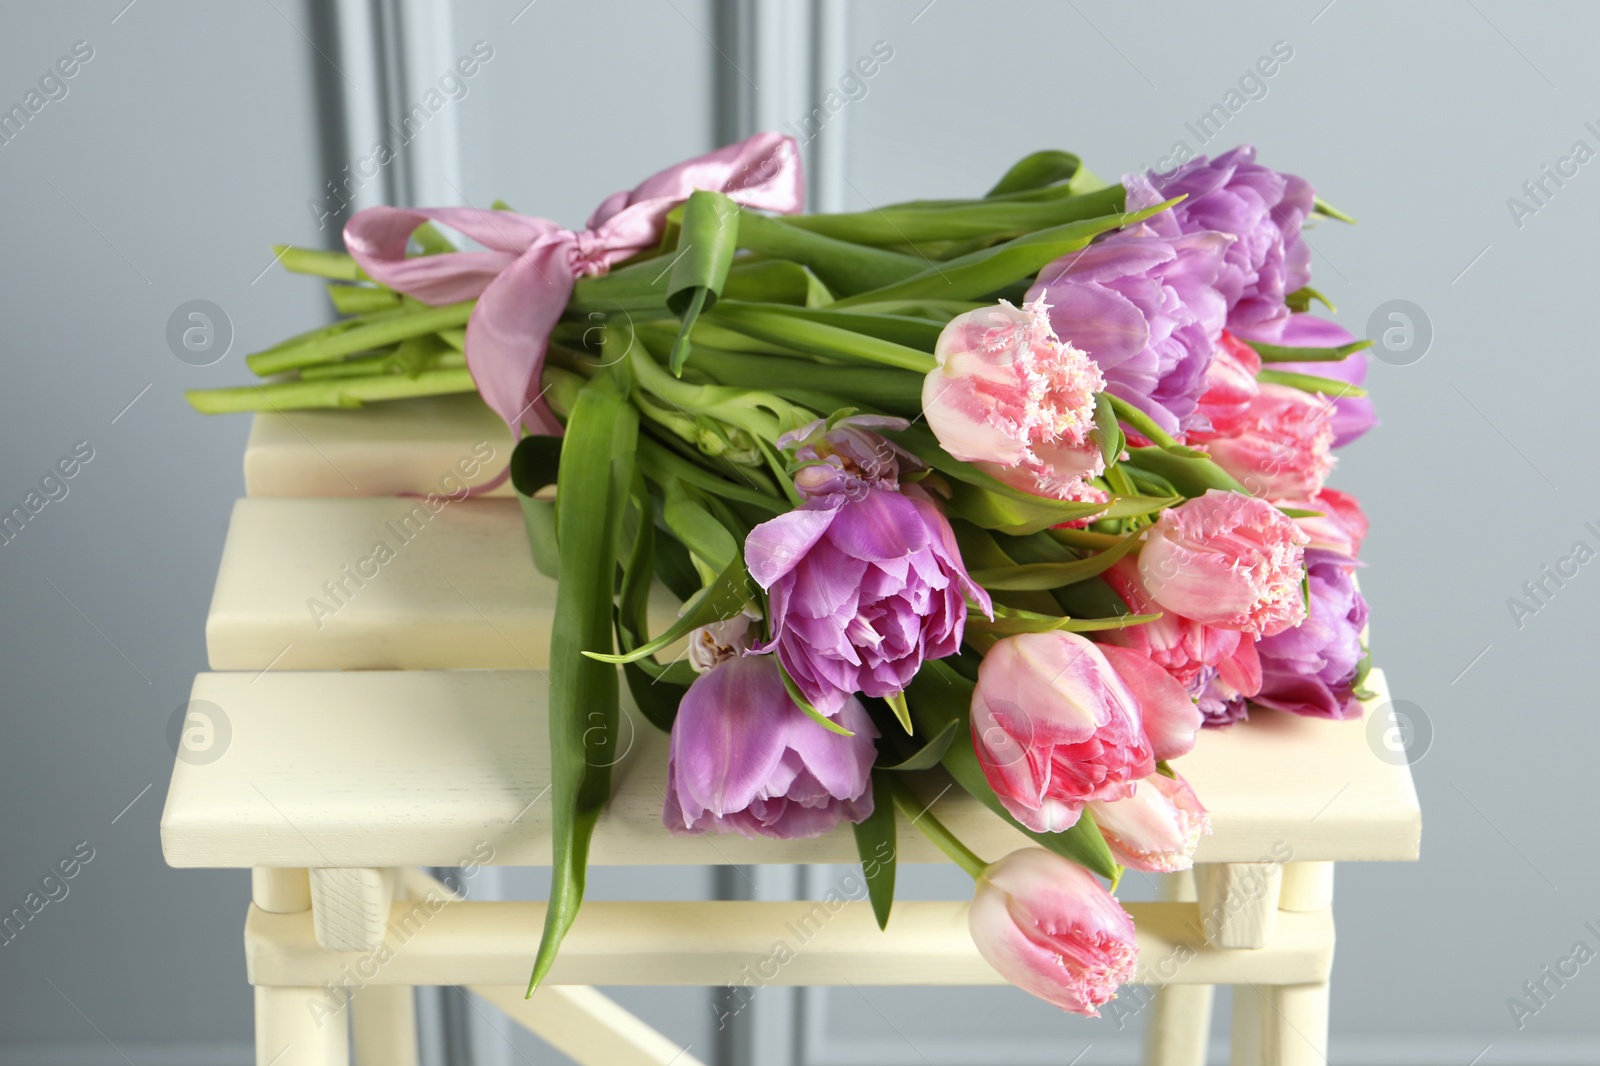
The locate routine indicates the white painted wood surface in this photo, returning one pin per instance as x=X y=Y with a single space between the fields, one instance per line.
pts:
x=327 y=771
x=384 y=584
x=1294 y=1025
x=1307 y=886
x=1238 y=902
x=383 y=1026
x=287 y=1034
x=350 y=906
x=382 y=449
x=280 y=891
x=1179 y=1027
x=380 y=768
x=587 y=1026
x=722 y=942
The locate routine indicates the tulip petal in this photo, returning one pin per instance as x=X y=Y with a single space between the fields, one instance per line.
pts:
x=729 y=735
x=777 y=545
x=1170 y=717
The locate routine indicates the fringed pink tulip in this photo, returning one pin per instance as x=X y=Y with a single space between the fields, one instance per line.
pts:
x=1191 y=652
x=1284 y=448
x=1157 y=828
x=1341 y=526
x=1227 y=560
x=1055 y=726
x=1230 y=389
x=1047 y=926
x=1011 y=397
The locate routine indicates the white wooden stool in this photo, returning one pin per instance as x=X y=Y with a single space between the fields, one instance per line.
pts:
x=334 y=788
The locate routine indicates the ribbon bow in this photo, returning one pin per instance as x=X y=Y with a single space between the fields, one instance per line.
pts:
x=524 y=279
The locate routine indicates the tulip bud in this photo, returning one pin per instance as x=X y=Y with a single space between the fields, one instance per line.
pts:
x=1157 y=828
x=847 y=458
x=714 y=644
x=1047 y=926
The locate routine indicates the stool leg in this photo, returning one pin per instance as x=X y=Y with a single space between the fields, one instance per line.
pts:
x=384 y=1019
x=1180 y=1025
x=1295 y=1018
x=1295 y=1025
x=289 y=1031
x=1249 y=1001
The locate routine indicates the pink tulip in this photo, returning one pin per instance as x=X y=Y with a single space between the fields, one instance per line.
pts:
x=1047 y=926
x=1341 y=527
x=1055 y=726
x=1189 y=651
x=1011 y=397
x=1284 y=447
x=1170 y=717
x=1157 y=828
x=1227 y=560
x=1230 y=389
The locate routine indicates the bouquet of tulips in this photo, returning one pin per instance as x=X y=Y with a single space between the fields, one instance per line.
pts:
x=1029 y=487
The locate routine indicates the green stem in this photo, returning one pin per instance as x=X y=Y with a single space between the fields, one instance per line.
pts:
x=844 y=266
x=322 y=264
x=817 y=338
x=1084 y=538
x=960 y=221
x=360 y=339
x=935 y=830
x=1146 y=427
x=1310 y=383
x=329 y=392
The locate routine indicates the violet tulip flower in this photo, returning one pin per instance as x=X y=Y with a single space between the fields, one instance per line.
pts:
x=1055 y=725
x=1311 y=669
x=1260 y=207
x=1146 y=310
x=1352 y=415
x=862 y=591
x=1157 y=828
x=1012 y=398
x=743 y=758
x=1226 y=560
x=1047 y=926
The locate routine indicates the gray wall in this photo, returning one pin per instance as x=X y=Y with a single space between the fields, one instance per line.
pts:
x=185 y=147
x=179 y=154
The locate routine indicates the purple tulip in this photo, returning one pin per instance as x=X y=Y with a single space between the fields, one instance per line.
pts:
x=862 y=591
x=1260 y=207
x=1311 y=669
x=1219 y=702
x=744 y=758
x=847 y=458
x=1352 y=415
x=1145 y=308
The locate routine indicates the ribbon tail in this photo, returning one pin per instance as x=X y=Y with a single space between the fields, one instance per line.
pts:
x=509 y=333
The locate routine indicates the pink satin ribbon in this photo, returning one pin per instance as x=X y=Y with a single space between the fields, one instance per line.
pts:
x=524 y=279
